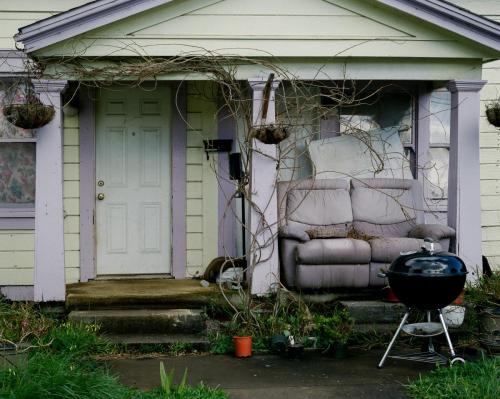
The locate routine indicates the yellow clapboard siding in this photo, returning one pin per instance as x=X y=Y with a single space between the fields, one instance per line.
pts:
x=490 y=187
x=494 y=262
x=490 y=202
x=194 y=207
x=17 y=259
x=71 y=154
x=71 y=206
x=490 y=171
x=489 y=139
x=24 y=240
x=194 y=241
x=194 y=190
x=71 y=242
x=194 y=156
x=490 y=218
x=194 y=173
x=490 y=248
x=72 y=275
x=71 y=171
x=491 y=233
x=72 y=224
x=17 y=276
x=194 y=119
x=194 y=224
x=71 y=136
x=490 y=156
x=72 y=258
x=71 y=189
x=194 y=138
x=194 y=258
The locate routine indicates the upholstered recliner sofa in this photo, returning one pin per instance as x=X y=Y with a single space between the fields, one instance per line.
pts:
x=360 y=227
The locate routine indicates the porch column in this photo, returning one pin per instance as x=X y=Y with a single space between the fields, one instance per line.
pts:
x=49 y=217
x=464 y=196
x=263 y=223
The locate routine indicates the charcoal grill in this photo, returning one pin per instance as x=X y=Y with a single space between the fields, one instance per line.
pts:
x=426 y=281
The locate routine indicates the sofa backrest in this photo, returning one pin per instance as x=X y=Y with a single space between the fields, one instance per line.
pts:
x=311 y=203
x=385 y=207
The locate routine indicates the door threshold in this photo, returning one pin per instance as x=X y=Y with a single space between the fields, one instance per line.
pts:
x=133 y=276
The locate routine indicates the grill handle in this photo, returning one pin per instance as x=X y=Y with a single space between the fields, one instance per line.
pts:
x=382 y=274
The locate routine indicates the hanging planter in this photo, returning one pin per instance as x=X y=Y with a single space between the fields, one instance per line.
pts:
x=270 y=134
x=31 y=114
x=493 y=113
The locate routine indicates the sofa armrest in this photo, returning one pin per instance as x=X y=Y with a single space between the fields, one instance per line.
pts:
x=294 y=233
x=435 y=231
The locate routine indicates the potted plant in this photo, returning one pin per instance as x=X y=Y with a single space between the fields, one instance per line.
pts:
x=493 y=112
x=484 y=296
x=333 y=331
x=242 y=340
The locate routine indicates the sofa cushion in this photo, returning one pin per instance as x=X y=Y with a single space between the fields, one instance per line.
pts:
x=333 y=251
x=386 y=249
x=311 y=208
x=384 y=207
x=332 y=276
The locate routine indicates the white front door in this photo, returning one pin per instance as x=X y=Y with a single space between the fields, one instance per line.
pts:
x=133 y=217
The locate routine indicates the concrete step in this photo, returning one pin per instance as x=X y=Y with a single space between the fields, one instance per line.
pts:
x=142 y=321
x=375 y=312
x=196 y=340
x=140 y=293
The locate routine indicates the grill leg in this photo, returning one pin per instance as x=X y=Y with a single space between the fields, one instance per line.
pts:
x=430 y=345
x=448 y=339
x=393 y=340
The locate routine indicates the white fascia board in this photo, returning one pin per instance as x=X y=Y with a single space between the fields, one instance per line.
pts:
x=452 y=18
x=12 y=63
x=80 y=20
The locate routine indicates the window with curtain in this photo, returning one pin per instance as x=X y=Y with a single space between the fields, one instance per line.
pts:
x=17 y=165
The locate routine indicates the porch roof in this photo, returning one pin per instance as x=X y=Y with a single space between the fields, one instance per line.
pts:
x=283 y=28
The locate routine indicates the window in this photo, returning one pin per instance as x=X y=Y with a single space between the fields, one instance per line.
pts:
x=17 y=171
x=389 y=109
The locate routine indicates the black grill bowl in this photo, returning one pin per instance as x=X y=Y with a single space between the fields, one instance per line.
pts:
x=426 y=280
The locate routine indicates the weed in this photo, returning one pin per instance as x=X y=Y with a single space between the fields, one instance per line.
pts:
x=22 y=323
x=472 y=380
x=77 y=340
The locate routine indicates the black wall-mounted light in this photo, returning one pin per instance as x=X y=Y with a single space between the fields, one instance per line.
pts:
x=217 y=146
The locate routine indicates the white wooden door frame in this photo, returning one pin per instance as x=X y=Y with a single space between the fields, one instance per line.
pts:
x=178 y=106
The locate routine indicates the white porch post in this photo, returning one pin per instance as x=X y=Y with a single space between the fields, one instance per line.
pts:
x=263 y=247
x=49 y=218
x=464 y=196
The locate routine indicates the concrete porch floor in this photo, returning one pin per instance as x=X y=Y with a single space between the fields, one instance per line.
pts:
x=129 y=292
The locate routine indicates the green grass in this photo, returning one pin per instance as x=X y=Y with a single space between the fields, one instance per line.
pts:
x=473 y=380
x=60 y=366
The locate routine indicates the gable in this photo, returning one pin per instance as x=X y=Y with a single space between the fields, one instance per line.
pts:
x=283 y=28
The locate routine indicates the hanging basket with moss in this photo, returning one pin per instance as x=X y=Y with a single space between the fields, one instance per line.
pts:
x=270 y=134
x=31 y=114
x=493 y=113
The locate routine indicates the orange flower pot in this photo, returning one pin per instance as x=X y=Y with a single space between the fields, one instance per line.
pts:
x=242 y=346
x=460 y=299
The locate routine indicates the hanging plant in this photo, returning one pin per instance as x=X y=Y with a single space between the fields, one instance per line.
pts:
x=31 y=114
x=493 y=113
x=270 y=134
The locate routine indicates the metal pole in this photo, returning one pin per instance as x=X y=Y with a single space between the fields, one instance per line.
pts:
x=441 y=318
x=393 y=340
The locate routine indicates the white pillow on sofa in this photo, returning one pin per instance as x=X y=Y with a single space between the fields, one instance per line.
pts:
x=375 y=153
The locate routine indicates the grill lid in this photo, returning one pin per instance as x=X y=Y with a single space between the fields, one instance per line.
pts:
x=427 y=263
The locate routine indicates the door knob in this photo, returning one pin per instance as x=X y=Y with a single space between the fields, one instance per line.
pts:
x=100 y=196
